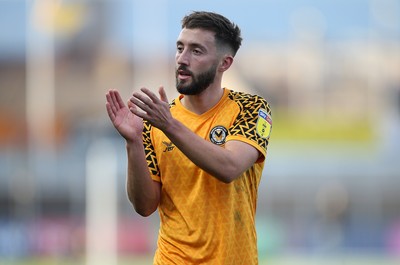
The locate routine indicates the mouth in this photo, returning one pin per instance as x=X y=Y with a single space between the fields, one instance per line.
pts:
x=183 y=74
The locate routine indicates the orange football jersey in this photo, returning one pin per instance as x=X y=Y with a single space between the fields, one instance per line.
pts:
x=203 y=220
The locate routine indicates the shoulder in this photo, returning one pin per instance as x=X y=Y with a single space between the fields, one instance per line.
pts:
x=249 y=102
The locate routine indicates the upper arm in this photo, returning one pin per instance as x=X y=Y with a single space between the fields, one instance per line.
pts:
x=157 y=189
x=249 y=134
x=253 y=124
x=244 y=155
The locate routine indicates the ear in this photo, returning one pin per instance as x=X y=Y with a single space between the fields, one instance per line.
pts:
x=225 y=63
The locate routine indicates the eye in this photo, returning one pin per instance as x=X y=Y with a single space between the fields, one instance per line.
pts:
x=197 y=51
x=179 y=48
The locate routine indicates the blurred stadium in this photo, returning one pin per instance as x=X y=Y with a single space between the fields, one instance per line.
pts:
x=330 y=70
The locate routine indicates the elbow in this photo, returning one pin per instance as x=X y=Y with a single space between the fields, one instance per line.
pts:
x=144 y=211
x=227 y=180
x=227 y=176
x=227 y=171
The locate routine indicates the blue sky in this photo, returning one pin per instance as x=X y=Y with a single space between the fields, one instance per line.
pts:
x=268 y=20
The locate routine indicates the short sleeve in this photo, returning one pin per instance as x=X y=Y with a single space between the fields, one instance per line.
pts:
x=253 y=124
x=150 y=153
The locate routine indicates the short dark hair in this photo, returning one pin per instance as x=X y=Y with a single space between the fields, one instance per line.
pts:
x=226 y=32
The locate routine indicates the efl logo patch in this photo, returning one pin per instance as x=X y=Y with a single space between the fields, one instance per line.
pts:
x=218 y=135
x=264 y=124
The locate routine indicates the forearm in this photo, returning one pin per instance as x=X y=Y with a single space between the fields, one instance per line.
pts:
x=226 y=164
x=143 y=192
x=220 y=162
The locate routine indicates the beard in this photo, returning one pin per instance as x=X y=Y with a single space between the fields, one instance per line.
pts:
x=199 y=82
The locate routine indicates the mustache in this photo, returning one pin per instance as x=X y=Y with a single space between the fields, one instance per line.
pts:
x=183 y=68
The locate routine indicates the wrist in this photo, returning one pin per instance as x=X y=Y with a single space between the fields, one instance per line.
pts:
x=133 y=143
x=171 y=127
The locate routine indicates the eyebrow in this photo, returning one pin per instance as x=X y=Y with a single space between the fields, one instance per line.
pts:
x=193 y=45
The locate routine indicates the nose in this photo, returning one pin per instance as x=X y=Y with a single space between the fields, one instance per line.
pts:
x=182 y=57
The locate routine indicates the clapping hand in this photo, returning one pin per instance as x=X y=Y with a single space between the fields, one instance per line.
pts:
x=148 y=106
x=127 y=124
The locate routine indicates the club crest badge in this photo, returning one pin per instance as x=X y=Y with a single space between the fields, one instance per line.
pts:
x=264 y=124
x=218 y=135
x=169 y=146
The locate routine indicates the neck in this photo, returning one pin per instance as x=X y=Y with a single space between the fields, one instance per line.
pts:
x=204 y=101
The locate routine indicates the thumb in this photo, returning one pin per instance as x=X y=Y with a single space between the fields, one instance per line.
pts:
x=163 y=95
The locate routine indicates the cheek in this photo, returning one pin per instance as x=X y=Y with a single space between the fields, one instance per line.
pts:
x=201 y=67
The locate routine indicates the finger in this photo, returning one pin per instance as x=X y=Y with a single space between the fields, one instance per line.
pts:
x=163 y=95
x=114 y=100
x=139 y=113
x=150 y=94
x=142 y=101
x=139 y=104
x=131 y=105
x=108 y=97
x=110 y=102
x=119 y=100
x=110 y=111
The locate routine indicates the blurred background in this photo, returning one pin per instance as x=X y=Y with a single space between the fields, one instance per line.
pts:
x=330 y=192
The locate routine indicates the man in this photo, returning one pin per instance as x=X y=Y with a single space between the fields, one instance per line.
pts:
x=199 y=159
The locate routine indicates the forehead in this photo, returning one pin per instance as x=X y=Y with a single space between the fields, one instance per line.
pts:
x=197 y=36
